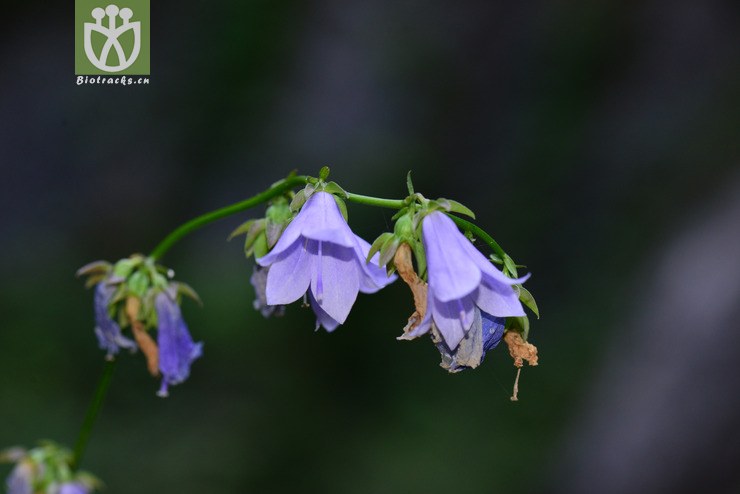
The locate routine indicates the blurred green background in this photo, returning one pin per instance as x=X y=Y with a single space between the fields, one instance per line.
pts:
x=586 y=135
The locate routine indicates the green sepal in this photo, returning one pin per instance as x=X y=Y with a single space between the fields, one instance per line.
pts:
x=188 y=291
x=409 y=184
x=400 y=213
x=241 y=229
x=510 y=266
x=342 y=207
x=124 y=267
x=377 y=244
x=94 y=269
x=94 y=280
x=527 y=299
x=299 y=199
x=388 y=250
x=495 y=259
x=334 y=188
x=457 y=207
x=257 y=228
x=324 y=173
x=138 y=283
x=260 y=248
x=421 y=259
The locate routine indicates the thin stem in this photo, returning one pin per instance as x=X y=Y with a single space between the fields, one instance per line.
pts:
x=376 y=201
x=478 y=232
x=204 y=219
x=92 y=413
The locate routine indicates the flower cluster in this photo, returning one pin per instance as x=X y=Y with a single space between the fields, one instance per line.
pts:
x=139 y=295
x=46 y=469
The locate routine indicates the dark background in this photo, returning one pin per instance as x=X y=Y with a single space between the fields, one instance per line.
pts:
x=597 y=141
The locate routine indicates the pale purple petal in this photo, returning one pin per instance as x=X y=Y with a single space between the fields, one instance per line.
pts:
x=324 y=222
x=176 y=347
x=335 y=279
x=106 y=329
x=73 y=488
x=20 y=480
x=487 y=266
x=451 y=271
x=453 y=319
x=498 y=299
x=372 y=277
x=289 y=275
x=322 y=318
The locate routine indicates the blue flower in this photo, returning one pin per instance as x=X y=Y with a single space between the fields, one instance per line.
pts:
x=20 y=480
x=106 y=329
x=319 y=256
x=461 y=281
x=73 y=488
x=176 y=348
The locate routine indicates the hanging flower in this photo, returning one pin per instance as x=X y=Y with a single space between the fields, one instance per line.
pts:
x=461 y=279
x=46 y=469
x=177 y=351
x=106 y=329
x=483 y=336
x=319 y=256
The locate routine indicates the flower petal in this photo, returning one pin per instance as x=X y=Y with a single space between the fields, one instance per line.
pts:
x=335 y=280
x=487 y=266
x=452 y=273
x=372 y=276
x=289 y=275
x=290 y=235
x=498 y=299
x=324 y=221
x=176 y=347
x=453 y=319
x=106 y=329
x=322 y=318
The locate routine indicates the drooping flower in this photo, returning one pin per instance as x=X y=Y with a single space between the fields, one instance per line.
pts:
x=319 y=255
x=461 y=279
x=106 y=329
x=46 y=469
x=20 y=480
x=483 y=336
x=259 y=282
x=176 y=347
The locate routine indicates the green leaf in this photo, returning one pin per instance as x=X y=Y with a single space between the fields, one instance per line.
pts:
x=527 y=299
x=457 y=207
x=342 y=207
x=377 y=244
x=409 y=183
x=334 y=188
x=241 y=229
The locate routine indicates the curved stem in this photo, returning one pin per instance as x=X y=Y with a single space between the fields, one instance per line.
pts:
x=204 y=219
x=478 y=232
x=376 y=201
x=92 y=413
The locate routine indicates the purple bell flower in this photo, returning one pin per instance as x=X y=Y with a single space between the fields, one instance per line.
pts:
x=176 y=347
x=461 y=279
x=106 y=329
x=319 y=256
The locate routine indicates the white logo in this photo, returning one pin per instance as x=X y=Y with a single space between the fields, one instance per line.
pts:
x=111 y=32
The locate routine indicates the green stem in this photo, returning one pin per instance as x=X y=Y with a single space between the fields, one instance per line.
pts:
x=478 y=232
x=92 y=413
x=204 y=219
x=376 y=201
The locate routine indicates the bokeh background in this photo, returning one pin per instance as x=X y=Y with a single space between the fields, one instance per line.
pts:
x=596 y=140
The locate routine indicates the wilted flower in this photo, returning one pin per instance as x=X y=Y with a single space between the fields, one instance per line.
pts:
x=20 y=480
x=46 y=470
x=176 y=347
x=484 y=335
x=106 y=329
x=460 y=279
x=318 y=253
x=259 y=282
